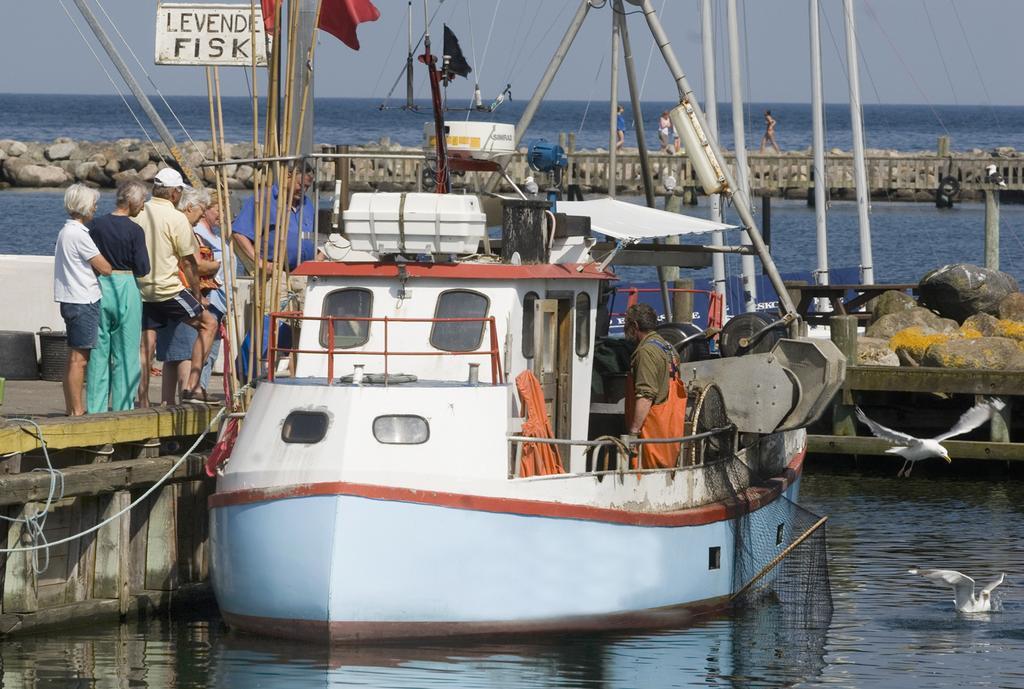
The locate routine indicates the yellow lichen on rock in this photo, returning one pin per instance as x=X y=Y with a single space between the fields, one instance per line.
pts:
x=915 y=342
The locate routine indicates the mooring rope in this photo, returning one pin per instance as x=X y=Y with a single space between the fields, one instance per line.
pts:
x=37 y=546
x=34 y=523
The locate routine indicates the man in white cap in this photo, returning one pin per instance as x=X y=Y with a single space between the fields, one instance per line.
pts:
x=165 y=299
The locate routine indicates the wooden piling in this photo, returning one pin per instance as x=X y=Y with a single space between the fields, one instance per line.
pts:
x=844 y=335
x=992 y=229
x=943 y=148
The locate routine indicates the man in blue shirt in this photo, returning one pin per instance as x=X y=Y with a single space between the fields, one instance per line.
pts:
x=300 y=216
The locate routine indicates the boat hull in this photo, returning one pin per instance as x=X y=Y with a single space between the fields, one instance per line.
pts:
x=346 y=562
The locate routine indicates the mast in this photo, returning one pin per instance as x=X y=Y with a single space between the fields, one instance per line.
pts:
x=740 y=144
x=409 y=105
x=140 y=95
x=867 y=270
x=818 y=121
x=441 y=176
x=545 y=82
x=711 y=109
x=664 y=274
x=714 y=158
x=612 y=133
x=302 y=77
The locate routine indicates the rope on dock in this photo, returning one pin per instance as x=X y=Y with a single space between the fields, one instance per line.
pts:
x=35 y=523
x=37 y=546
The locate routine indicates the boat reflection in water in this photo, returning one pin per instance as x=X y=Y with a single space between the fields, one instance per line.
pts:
x=765 y=645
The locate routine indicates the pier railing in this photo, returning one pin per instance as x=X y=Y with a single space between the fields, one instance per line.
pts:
x=897 y=175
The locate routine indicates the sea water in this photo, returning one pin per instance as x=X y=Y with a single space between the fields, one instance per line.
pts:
x=889 y=629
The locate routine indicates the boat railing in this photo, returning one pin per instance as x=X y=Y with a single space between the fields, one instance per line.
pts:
x=624 y=446
x=715 y=309
x=273 y=349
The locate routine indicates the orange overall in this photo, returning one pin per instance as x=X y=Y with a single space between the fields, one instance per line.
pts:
x=665 y=420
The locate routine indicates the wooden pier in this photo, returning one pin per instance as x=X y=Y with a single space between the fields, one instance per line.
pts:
x=891 y=176
x=152 y=555
x=918 y=396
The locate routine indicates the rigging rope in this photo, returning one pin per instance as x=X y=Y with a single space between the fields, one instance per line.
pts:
x=149 y=79
x=113 y=83
x=590 y=96
x=974 y=61
x=650 y=53
x=938 y=49
x=899 y=57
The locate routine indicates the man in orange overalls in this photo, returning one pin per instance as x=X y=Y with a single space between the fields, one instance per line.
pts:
x=655 y=394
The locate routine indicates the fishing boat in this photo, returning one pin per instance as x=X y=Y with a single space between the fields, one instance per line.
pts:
x=446 y=455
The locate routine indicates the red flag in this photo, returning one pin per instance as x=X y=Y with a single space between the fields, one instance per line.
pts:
x=337 y=17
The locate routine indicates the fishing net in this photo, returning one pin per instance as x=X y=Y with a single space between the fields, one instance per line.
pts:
x=779 y=552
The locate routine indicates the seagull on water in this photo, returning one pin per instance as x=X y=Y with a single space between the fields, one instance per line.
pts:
x=963 y=588
x=913 y=449
x=993 y=177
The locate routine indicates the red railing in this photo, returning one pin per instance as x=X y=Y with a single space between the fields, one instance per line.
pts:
x=497 y=375
x=715 y=311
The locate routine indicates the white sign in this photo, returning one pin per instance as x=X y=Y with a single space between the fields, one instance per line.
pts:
x=209 y=34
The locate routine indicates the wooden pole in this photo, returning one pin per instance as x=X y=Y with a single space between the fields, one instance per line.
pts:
x=992 y=229
x=844 y=335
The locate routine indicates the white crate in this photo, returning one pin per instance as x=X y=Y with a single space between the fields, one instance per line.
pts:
x=416 y=223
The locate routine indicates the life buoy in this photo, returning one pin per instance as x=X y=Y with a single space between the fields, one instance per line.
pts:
x=949 y=186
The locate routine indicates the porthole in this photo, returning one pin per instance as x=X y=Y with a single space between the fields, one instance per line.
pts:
x=401 y=429
x=306 y=427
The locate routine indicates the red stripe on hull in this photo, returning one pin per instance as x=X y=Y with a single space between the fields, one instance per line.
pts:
x=750 y=500
x=342 y=631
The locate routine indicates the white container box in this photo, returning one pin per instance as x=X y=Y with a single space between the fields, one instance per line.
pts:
x=415 y=223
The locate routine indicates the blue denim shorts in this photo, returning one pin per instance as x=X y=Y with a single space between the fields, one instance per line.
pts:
x=82 y=322
x=174 y=342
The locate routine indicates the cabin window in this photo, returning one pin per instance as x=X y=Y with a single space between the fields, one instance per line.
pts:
x=715 y=557
x=401 y=429
x=528 y=343
x=464 y=336
x=347 y=302
x=582 y=324
x=780 y=534
x=306 y=427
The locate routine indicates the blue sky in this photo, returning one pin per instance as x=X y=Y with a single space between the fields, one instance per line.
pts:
x=901 y=40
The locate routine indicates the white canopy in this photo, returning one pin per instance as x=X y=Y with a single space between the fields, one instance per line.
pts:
x=632 y=223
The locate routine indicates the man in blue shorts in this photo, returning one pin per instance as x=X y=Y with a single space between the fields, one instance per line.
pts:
x=165 y=299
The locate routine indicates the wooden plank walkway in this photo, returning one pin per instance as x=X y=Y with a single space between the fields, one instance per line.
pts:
x=897 y=176
x=149 y=557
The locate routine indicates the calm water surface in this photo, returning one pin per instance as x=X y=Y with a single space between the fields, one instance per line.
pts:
x=889 y=629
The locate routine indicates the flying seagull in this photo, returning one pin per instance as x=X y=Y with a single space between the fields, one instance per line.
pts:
x=963 y=588
x=913 y=449
x=993 y=177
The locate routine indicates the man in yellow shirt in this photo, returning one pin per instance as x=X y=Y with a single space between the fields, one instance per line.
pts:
x=171 y=244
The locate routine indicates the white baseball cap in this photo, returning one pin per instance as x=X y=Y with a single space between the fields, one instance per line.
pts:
x=168 y=177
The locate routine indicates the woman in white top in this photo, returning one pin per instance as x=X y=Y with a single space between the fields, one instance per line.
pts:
x=77 y=289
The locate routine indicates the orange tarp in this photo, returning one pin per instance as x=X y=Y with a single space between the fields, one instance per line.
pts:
x=539 y=459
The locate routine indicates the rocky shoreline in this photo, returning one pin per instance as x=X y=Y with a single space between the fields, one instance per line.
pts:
x=103 y=164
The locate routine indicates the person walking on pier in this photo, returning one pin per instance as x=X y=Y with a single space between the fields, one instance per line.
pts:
x=114 y=367
x=620 y=130
x=665 y=132
x=769 y=132
x=165 y=298
x=76 y=288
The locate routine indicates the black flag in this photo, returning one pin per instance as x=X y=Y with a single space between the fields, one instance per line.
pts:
x=457 y=61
